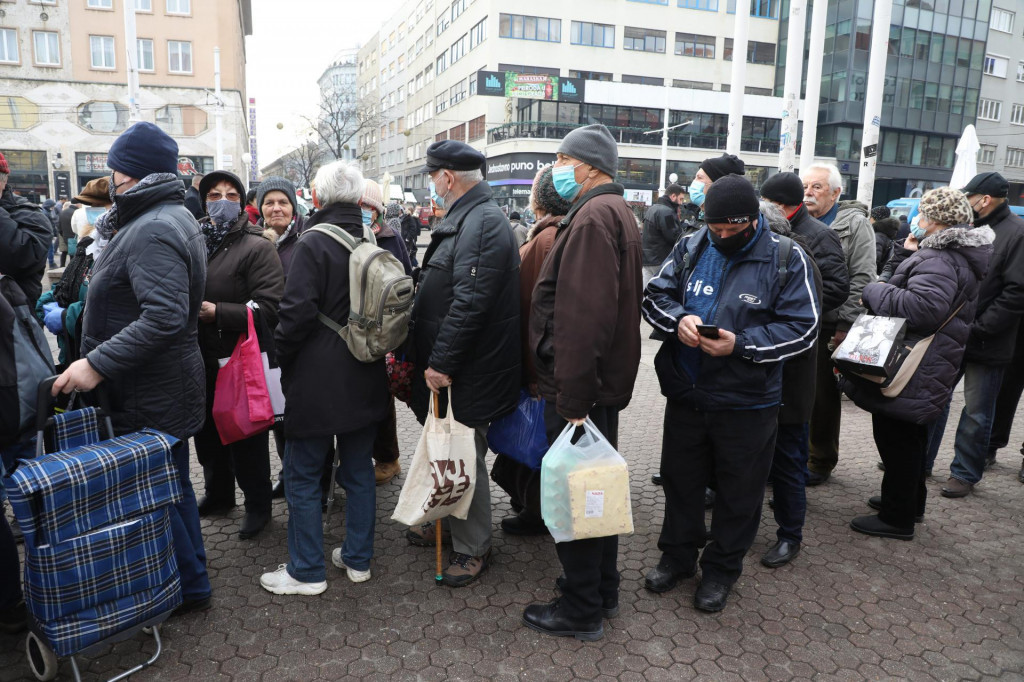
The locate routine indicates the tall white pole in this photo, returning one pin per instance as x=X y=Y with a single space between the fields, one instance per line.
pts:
x=738 y=79
x=664 y=147
x=812 y=95
x=131 y=44
x=873 y=101
x=791 y=93
x=219 y=111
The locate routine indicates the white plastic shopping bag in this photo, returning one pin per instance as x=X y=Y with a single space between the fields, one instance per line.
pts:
x=584 y=487
x=442 y=476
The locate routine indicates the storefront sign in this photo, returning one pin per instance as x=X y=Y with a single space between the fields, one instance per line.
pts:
x=92 y=163
x=639 y=196
x=186 y=166
x=518 y=166
x=530 y=86
x=62 y=184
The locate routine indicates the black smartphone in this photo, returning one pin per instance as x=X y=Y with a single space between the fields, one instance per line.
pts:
x=708 y=331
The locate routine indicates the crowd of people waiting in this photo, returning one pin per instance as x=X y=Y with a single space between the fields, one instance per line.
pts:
x=749 y=296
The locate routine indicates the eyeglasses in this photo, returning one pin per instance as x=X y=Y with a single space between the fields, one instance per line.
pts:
x=217 y=196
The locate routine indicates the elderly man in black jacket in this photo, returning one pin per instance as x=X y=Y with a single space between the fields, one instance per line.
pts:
x=140 y=332
x=785 y=191
x=662 y=230
x=465 y=331
x=25 y=234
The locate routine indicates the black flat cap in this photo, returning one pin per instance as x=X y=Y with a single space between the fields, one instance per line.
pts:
x=990 y=183
x=452 y=155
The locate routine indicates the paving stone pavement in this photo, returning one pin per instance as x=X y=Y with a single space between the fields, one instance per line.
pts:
x=947 y=606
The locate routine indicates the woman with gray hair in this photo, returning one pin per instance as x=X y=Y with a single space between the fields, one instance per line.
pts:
x=329 y=395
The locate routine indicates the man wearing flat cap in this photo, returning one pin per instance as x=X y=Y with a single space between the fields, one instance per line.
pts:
x=585 y=343
x=140 y=332
x=734 y=306
x=993 y=339
x=465 y=332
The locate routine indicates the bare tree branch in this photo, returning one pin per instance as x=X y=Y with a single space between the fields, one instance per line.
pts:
x=341 y=118
x=302 y=164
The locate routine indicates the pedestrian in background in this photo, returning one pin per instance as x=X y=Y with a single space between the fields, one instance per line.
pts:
x=193 y=200
x=935 y=288
x=886 y=228
x=243 y=276
x=518 y=227
x=25 y=232
x=662 y=230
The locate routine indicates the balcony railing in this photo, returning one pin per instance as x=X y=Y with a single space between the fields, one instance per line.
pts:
x=549 y=130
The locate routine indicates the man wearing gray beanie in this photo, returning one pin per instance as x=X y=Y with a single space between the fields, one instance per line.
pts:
x=587 y=352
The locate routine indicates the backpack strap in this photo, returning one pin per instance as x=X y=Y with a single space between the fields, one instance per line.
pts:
x=785 y=248
x=342 y=237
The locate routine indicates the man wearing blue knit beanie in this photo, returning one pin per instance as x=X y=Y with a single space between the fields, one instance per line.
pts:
x=141 y=318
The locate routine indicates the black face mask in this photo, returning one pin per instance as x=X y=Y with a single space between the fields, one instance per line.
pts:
x=730 y=245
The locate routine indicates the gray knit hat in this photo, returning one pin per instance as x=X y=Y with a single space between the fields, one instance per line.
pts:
x=592 y=144
x=276 y=184
x=947 y=206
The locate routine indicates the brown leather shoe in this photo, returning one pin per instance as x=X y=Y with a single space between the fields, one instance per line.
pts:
x=464 y=569
x=424 y=535
x=386 y=471
x=956 y=488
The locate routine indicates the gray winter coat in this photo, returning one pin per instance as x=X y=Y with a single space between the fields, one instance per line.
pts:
x=858 y=240
x=926 y=289
x=142 y=313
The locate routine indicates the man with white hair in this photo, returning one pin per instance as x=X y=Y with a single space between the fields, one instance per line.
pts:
x=849 y=220
x=465 y=332
x=329 y=395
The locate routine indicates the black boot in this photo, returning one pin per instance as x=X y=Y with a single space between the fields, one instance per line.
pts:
x=252 y=523
x=551 y=620
x=215 y=505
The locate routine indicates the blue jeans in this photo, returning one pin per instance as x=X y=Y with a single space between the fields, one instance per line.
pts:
x=981 y=388
x=187 y=533
x=789 y=478
x=303 y=467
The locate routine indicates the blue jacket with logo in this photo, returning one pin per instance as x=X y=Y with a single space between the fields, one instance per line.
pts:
x=772 y=322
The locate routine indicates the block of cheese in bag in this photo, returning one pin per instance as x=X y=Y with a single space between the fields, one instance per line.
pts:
x=599 y=501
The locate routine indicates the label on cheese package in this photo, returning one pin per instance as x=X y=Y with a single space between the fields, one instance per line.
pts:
x=595 y=504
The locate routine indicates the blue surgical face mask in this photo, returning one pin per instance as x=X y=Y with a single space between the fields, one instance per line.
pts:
x=367 y=217
x=916 y=229
x=697 y=192
x=564 y=179
x=439 y=199
x=223 y=210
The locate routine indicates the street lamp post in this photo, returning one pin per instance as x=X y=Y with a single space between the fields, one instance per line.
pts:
x=664 y=147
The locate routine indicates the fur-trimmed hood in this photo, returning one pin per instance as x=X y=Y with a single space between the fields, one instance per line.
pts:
x=887 y=226
x=542 y=224
x=958 y=237
x=271 y=234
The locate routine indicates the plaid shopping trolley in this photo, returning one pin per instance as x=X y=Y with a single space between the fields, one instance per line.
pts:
x=99 y=556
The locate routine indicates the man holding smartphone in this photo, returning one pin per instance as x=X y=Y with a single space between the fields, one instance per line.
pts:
x=735 y=302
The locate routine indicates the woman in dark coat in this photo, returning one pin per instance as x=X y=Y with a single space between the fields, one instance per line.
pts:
x=935 y=287
x=243 y=274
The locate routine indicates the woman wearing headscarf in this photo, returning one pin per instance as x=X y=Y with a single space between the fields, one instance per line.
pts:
x=243 y=274
x=520 y=482
x=935 y=288
x=386 y=224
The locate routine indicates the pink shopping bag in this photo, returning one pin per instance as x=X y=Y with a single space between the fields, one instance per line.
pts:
x=241 y=401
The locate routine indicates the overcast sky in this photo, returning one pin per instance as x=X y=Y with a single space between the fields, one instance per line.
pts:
x=292 y=42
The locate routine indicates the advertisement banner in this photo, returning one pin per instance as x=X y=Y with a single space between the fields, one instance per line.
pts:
x=530 y=86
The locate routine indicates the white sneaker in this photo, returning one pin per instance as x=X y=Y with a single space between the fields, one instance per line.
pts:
x=353 y=575
x=280 y=582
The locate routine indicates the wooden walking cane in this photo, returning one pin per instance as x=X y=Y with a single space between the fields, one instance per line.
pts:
x=438 y=578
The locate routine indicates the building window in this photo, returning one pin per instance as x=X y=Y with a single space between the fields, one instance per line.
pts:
x=1017 y=114
x=458 y=93
x=591 y=75
x=143 y=5
x=1014 y=157
x=652 y=2
x=644 y=40
x=709 y=5
x=443 y=22
x=442 y=62
x=441 y=102
x=1001 y=20
x=695 y=45
x=17 y=113
x=642 y=80
x=179 y=56
x=692 y=85
x=101 y=51
x=458 y=133
x=8 y=46
x=990 y=109
x=458 y=7
x=1020 y=72
x=145 y=48
x=181 y=120
x=477 y=128
x=100 y=4
x=595 y=35
x=764 y=9
x=988 y=154
x=996 y=66
x=530 y=28
x=47 y=48
x=478 y=33
x=458 y=50
x=757 y=53
x=179 y=6
x=103 y=117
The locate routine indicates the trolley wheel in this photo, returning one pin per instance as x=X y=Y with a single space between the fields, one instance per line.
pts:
x=41 y=658
x=148 y=630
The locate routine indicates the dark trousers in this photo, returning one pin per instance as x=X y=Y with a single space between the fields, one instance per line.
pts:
x=902 y=446
x=385 y=445
x=737 y=446
x=590 y=566
x=827 y=412
x=187 y=533
x=10 y=567
x=1009 y=396
x=789 y=478
x=522 y=485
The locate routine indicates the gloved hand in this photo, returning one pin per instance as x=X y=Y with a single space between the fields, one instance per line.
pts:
x=53 y=318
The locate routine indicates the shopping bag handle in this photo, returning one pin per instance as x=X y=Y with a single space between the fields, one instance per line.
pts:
x=435 y=404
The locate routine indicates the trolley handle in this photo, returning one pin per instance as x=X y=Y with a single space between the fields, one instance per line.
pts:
x=44 y=400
